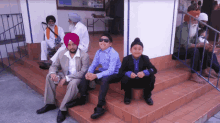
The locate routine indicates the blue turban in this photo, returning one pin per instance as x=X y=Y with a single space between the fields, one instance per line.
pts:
x=74 y=17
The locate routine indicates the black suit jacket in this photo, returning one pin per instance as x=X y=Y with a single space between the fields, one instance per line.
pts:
x=144 y=63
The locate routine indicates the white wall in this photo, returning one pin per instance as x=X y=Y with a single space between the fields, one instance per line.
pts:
x=10 y=7
x=63 y=19
x=151 y=21
x=5 y=49
x=39 y=10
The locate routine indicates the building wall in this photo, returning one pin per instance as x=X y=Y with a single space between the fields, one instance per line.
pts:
x=9 y=7
x=151 y=21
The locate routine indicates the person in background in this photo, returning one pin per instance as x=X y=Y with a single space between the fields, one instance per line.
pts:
x=49 y=42
x=138 y=72
x=204 y=18
x=74 y=63
x=76 y=26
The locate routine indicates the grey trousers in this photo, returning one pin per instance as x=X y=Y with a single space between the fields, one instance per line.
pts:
x=50 y=92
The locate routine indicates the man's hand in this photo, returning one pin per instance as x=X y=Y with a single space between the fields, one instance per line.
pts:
x=61 y=83
x=92 y=77
x=140 y=74
x=133 y=75
x=88 y=75
x=57 y=46
x=53 y=77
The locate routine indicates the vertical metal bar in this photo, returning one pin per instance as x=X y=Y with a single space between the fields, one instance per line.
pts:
x=93 y=27
x=1 y=54
x=128 y=21
x=203 y=51
x=23 y=32
x=18 y=24
x=11 y=40
x=15 y=31
x=195 y=47
x=187 y=40
x=5 y=39
x=29 y=21
x=180 y=36
x=212 y=55
x=172 y=25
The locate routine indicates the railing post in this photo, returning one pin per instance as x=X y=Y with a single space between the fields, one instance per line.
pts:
x=212 y=55
x=203 y=51
x=187 y=40
x=195 y=47
x=23 y=32
x=18 y=25
x=5 y=39
x=15 y=31
x=11 y=40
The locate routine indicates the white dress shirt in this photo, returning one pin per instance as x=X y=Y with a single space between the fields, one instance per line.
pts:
x=72 y=63
x=52 y=36
x=81 y=30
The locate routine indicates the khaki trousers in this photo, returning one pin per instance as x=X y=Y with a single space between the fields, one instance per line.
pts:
x=50 y=92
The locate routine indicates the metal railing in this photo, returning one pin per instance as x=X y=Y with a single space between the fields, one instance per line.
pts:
x=195 y=48
x=12 y=37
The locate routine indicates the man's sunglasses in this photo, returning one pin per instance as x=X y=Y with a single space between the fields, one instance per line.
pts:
x=105 y=40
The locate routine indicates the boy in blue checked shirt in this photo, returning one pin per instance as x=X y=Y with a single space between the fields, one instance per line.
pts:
x=110 y=61
x=137 y=72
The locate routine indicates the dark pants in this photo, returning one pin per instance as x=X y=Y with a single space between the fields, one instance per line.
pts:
x=105 y=81
x=147 y=83
x=195 y=60
x=198 y=58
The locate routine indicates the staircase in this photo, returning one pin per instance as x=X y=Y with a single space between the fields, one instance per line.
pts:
x=176 y=99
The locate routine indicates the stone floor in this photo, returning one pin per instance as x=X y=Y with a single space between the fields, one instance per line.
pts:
x=18 y=103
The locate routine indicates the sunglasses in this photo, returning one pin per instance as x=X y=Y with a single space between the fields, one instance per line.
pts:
x=105 y=40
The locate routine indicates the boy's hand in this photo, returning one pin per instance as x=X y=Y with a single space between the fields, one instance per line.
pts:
x=92 y=77
x=133 y=75
x=140 y=74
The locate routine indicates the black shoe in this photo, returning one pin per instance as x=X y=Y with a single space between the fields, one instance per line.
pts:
x=127 y=100
x=46 y=108
x=72 y=103
x=44 y=65
x=98 y=112
x=61 y=116
x=149 y=101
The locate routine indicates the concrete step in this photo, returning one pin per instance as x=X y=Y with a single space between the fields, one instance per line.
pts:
x=197 y=111
x=165 y=102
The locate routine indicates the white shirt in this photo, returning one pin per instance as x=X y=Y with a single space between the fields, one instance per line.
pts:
x=202 y=39
x=52 y=36
x=72 y=63
x=81 y=30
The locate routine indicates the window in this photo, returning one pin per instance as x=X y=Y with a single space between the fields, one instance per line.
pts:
x=89 y=5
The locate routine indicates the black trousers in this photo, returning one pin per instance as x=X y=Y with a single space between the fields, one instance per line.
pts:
x=147 y=83
x=105 y=81
x=197 y=59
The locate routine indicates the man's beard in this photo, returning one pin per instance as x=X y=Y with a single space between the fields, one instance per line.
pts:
x=193 y=30
x=73 y=52
x=71 y=27
x=52 y=26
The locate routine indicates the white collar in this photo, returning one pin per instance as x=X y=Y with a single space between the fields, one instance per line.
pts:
x=67 y=53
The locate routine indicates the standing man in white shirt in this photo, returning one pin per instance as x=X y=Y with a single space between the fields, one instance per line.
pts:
x=74 y=63
x=75 y=26
x=50 y=42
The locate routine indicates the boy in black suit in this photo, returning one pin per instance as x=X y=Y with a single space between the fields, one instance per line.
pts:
x=137 y=72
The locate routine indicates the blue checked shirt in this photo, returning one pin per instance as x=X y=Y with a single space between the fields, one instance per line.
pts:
x=110 y=61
